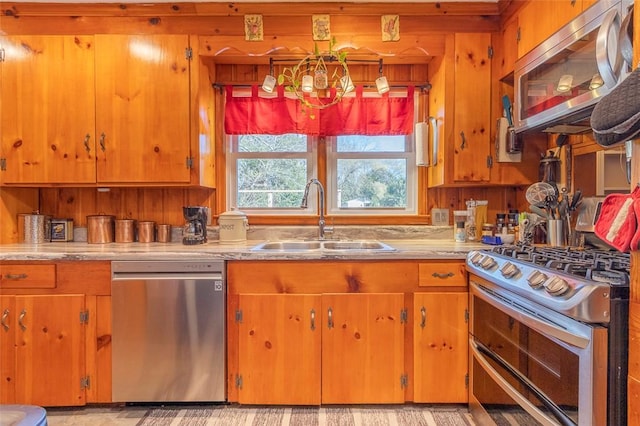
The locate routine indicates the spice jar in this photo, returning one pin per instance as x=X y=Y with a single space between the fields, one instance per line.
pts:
x=501 y=223
x=487 y=230
x=459 y=227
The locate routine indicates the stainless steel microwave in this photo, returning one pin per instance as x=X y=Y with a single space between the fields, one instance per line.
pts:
x=559 y=82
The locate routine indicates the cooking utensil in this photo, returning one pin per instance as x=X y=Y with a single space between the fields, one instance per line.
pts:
x=575 y=200
x=537 y=193
x=506 y=104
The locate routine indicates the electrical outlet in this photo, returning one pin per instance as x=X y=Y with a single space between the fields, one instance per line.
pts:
x=440 y=217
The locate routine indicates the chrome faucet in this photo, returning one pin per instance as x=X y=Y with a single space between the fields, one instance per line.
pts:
x=322 y=229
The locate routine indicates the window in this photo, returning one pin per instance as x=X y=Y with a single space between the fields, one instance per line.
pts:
x=366 y=175
x=267 y=174
x=371 y=175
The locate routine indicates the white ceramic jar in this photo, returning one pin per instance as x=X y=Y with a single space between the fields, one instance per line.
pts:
x=233 y=226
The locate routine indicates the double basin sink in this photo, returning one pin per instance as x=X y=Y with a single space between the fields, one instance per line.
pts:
x=326 y=245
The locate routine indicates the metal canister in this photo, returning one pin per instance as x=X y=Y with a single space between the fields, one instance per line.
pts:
x=146 y=231
x=125 y=230
x=100 y=229
x=34 y=228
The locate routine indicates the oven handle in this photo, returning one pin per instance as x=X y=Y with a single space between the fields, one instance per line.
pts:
x=537 y=324
x=479 y=350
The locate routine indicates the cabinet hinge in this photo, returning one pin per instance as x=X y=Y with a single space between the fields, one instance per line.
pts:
x=84 y=317
x=189 y=162
x=490 y=52
x=85 y=383
x=404 y=381
x=3 y=164
x=466 y=380
x=238 y=316
x=1 y=55
x=188 y=53
x=518 y=35
x=403 y=316
x=238 y=381
x=489 y=161
x=466 y=316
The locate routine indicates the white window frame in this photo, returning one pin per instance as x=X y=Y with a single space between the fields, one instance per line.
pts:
x=232 y=157
x=332 y=179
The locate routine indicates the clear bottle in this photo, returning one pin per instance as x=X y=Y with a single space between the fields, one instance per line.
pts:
x=472 y=231
x=459 y=226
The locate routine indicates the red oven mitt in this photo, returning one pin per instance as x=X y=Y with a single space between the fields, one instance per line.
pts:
x=617 y=223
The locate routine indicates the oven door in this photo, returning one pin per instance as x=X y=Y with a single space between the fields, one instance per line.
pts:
x=530 y=365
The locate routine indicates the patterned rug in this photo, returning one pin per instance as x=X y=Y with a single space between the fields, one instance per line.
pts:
x=235 y=415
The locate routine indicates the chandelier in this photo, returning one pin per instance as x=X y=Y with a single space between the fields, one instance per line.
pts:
x=326 y=74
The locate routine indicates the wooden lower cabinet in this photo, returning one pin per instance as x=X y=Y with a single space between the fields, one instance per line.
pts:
x=339 y=332
x=281 y=359
x=55 y=333
x=362 y=348
x=440 y=342
x=43 y=350
x=279 y=349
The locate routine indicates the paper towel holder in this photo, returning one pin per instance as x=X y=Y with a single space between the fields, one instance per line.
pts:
x=423 y=133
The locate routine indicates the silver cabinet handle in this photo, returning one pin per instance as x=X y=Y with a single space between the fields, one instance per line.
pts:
x=20 y=318
x=330 y=318
x=86 y=143
x=313 y=319
x=423 y=314
x=608 y=72
x=442 y=276
x=463 y=138
x=102 y=138
x=16 y=276
x=5 y=315
x=434 y=131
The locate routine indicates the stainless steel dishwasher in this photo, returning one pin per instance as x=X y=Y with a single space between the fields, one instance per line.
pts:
x=168 y=331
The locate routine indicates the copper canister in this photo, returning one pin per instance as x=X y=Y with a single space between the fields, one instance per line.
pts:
x=100 y=229
x=146 y=231
x=164 y=233
x=125 y=230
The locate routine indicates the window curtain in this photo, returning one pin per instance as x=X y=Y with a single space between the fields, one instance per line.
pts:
x=353 y=115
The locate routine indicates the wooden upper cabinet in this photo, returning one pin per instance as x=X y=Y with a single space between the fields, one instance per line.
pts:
x=47 y=98
x=460 y=100
x=539 y=19
x=142 y=108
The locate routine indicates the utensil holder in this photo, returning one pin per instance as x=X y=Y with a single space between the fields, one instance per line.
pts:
x=555 y=233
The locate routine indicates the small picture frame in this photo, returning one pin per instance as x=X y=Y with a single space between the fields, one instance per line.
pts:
x=390 y=27
x=253 y=29
x=321 y=27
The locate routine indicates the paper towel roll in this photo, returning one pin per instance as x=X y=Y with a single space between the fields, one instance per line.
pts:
x=421 y=134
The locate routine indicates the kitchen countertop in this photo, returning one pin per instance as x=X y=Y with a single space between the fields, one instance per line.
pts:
x=405 y=249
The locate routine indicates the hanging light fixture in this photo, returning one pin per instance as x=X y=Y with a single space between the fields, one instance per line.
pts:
x=381 y=82
x=269 y=82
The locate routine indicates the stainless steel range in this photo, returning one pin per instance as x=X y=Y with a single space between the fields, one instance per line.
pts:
x=548 y=335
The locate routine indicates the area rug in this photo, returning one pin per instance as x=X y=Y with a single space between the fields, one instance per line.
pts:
x=238 y=415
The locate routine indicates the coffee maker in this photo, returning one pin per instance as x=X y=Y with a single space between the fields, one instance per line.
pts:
x=195 y=229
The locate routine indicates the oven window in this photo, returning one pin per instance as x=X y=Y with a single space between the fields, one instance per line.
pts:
x=553 y=369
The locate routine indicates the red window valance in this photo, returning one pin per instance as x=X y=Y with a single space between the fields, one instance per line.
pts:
x=353 y=115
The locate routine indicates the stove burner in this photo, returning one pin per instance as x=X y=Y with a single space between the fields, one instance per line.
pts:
x=610 y=277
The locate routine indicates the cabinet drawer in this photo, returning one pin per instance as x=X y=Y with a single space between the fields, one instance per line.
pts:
x=27 y=276
x=442 y=274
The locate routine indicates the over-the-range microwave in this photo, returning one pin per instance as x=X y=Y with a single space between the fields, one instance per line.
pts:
x=559 y=82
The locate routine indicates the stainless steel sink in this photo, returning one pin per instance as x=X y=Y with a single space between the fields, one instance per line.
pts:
x=328 y=245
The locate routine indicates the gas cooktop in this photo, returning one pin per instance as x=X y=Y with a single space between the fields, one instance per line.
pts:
x=574 y=282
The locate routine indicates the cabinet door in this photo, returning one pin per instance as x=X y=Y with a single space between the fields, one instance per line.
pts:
x=440 y=341
x=539 y=19
x=472 y=94
x=7 y=350
x=362 y=348
x=279 y=349
x=50 y=349
x=48 y=118
x=142 y=108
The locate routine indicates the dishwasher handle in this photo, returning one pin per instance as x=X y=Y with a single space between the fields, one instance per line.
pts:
x=129 y=276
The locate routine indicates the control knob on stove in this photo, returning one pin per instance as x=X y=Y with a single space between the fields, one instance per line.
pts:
x=556 y=286
x=476 y=258
x=487 y=262
x=536 y=279
x=509 y=270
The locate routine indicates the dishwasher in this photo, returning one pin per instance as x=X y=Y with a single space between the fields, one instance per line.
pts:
x=168 y=331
